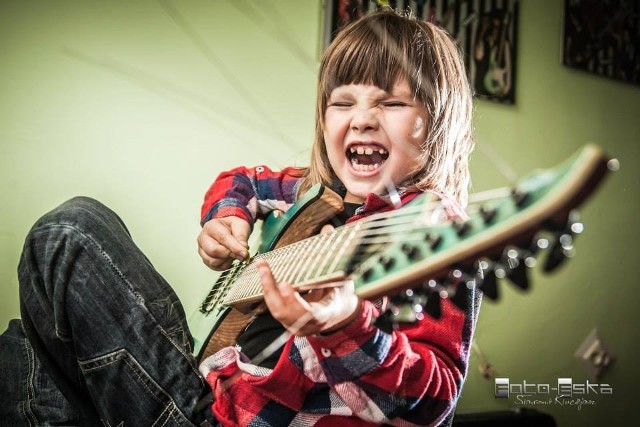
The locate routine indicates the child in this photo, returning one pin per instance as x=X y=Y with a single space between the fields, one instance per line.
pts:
x=393 y=110
x=110 y=337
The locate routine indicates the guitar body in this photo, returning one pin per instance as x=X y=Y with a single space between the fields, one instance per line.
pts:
x=497 y=80
x=220 y=328
x=402 y=253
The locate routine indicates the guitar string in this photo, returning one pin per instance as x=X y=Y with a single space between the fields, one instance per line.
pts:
x=288 y=256
x=375 y=231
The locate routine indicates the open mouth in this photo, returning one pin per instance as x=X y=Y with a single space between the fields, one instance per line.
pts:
x=365 y=158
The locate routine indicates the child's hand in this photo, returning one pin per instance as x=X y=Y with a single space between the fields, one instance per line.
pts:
x=324 y=310
x=222 y=240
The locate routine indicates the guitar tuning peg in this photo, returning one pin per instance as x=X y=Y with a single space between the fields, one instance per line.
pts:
x=432 y=294
x=563 y=247
x=461 y=297
x=516 y=265
x=539 y=242
x=387 y=321
x=458 y=286
x=432 y=306
x=573 y=222
x=488 y=214
x=520 y=198
x=461 y=227
x=487 y=280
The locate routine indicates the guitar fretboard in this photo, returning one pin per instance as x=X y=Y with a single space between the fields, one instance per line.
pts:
x=323 y=258
x=314 y=260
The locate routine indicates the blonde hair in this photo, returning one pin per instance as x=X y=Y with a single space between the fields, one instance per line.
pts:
x=380 y=49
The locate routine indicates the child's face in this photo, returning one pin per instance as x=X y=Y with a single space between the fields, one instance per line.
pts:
x=373 y=137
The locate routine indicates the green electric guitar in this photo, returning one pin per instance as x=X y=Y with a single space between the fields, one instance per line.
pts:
x=405 y=253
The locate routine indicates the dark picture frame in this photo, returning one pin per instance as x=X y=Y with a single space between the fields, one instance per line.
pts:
x=485 y=30
x=603 y=38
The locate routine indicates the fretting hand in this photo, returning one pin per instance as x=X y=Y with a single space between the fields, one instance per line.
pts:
x=319 y=311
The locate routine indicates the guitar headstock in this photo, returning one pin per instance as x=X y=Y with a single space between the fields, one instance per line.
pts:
x=502 y=239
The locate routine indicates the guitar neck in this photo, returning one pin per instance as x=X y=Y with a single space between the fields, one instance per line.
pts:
x=409 y=254
x=318 y=260
x=307 y=264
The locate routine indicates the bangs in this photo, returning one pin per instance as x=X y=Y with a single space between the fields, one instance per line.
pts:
x=377 y=53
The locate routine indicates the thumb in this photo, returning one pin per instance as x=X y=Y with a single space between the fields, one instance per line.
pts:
x=327 y=228
x=240 y=229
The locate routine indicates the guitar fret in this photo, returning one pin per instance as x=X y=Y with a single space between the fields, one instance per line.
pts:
x=292 y=263
x=329 y=250
x=276 y=260
x=253 y=280
x=289 y=264
x=305 y=268
x=350 y=237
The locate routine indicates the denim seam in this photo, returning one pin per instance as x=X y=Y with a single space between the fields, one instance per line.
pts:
x=106 y=256
x=187 y=356
x=162 y=415
x=90 y=241
x=91 y=364
x=25 y=405
x=170 y=404
x=124 y=278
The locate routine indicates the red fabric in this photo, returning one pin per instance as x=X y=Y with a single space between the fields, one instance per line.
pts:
x=357 y=376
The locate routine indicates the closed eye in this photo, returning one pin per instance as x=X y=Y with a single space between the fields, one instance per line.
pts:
x=394 y=104
x=340 y=104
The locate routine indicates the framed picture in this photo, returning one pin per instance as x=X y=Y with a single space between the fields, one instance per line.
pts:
x=603 y=37
x=485 y=30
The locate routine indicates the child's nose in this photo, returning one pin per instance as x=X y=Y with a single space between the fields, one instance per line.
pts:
x=365 y=119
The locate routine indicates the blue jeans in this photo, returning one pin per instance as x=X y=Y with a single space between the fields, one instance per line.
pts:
x=105 y=338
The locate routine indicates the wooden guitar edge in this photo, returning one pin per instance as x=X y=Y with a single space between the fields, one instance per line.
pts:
x=227 y=333
x=311 y=219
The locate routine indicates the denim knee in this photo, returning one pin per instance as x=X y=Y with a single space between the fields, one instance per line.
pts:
x=82 y=212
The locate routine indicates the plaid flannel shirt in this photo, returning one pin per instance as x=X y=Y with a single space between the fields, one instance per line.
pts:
x=358 y=376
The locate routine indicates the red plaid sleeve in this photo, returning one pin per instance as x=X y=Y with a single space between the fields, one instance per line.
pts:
x=250 y=193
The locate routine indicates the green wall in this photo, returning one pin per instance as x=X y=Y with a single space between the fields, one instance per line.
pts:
x=141 y=103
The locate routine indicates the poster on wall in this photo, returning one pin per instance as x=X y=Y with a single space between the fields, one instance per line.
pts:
x=485 y=30
x=603 y=37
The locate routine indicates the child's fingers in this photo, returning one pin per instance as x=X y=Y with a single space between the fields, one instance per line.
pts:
x=284 y=303
x=218 y=240
x=241 y=229
x=272 y=295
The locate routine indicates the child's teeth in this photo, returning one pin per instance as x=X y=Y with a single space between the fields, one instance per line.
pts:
x=382 y=151
x=368 y=151
x=353 y=150
x=360 y=150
